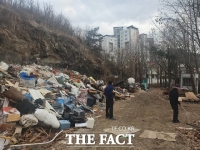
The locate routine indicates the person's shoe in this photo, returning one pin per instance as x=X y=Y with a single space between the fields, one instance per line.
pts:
x=176 y=121
x=112 y=119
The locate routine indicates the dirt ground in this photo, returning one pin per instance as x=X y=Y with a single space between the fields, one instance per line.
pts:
x=147 y=111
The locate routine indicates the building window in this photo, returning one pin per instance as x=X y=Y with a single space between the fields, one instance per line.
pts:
x=187 y=82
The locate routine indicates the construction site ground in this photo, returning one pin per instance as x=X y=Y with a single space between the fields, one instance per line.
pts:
x=146 y=111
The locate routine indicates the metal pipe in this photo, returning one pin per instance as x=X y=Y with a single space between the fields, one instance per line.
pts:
x=36 y=144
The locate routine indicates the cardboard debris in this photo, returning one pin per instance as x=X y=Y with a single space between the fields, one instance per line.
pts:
x=159 y=135
x=18 y=130
x=180 y=99
x=191 y=96
x=119 y=95
x=44 y=91
x=10 y=114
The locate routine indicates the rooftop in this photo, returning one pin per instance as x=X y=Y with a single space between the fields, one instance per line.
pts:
x=132 y=27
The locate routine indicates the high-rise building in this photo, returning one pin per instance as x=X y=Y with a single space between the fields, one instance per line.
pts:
x=109 y=45
x=117 y=31
x=132 y=42
x=150 y=45
x=124 y=39
x=127 y=38
x=144 y=49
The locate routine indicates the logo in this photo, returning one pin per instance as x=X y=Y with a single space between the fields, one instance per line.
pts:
x=123 y=137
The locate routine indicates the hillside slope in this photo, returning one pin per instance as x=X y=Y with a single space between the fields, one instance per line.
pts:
x=24 y=41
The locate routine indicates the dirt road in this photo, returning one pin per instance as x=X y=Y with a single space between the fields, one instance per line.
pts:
x=147 y=111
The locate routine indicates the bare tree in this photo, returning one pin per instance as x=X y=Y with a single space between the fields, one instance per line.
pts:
x=179 y=28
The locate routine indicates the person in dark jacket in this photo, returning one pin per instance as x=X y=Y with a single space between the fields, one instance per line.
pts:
x=108 y=92
x=173 y=97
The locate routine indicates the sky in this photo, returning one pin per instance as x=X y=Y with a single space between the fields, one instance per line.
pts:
x=107 y=14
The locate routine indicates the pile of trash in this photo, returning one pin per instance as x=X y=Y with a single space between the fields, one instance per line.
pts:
x=191 y=135
x=40 y=101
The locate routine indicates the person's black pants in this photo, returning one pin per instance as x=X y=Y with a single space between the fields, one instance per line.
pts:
x=175 y=111
x=109 y=107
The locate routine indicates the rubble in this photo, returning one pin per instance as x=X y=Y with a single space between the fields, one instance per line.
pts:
x=42 y=102
x=191 y=135
x=184 y=95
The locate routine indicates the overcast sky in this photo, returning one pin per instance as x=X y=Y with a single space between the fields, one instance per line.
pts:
x=108 y=13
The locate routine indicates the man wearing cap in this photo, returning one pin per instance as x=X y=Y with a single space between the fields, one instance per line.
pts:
x=173 y=97
x=108 y=92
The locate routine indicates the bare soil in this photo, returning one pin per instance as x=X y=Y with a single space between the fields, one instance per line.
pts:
x=147 y=111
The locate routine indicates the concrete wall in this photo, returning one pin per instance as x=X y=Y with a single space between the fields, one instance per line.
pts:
x=186 y=81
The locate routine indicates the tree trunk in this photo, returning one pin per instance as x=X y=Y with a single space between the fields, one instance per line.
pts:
x=160 y=74
x=193 y=81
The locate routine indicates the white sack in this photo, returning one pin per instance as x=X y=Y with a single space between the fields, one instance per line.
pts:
x=131 y=80
x=47 y=118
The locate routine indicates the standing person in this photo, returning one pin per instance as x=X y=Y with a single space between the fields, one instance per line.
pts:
x=108 y=92
x=173 y=97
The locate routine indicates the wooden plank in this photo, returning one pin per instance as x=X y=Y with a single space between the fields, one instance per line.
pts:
x=34 y=138
x=10 y=83
x=4 y=72
x=35 y=144
x=17 y=84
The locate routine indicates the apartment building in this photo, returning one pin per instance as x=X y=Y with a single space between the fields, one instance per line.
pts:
x=130 y=39
x=109 y=45
x=127 y=38
x=146 y=44
x=144 y=51
x=151 y=43
x=117 y=31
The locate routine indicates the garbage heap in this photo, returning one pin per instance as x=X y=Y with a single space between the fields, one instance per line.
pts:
x=37 y=102
x=191 y=136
